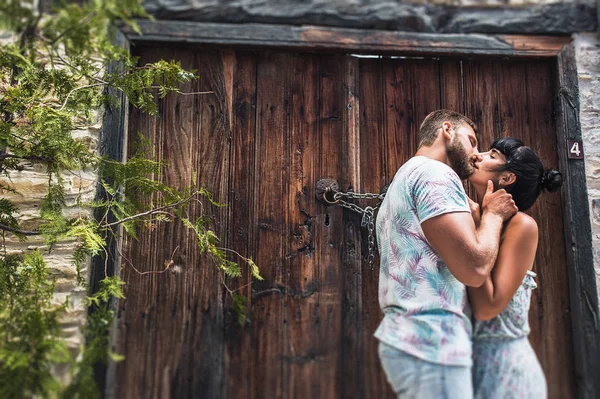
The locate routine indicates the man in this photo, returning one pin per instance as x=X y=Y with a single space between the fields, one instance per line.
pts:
x=430 y=249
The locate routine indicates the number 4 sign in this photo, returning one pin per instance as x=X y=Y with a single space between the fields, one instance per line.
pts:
x=575 y=149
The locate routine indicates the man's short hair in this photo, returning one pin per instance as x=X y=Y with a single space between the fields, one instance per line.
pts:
x=432 y=123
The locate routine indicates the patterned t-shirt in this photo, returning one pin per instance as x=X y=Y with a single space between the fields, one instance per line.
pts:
x=426 y=312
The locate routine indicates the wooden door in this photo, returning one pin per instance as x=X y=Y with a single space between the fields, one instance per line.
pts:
x=275 y=124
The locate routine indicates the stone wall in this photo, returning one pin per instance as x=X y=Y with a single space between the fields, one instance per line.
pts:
x=588 y=69
x=31 y=185
x=438 y=16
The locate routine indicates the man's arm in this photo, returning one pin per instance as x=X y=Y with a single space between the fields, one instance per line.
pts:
x=469 y=251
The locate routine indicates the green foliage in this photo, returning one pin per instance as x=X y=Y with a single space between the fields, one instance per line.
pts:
x=139 y=85
x=16 y=14
x=96 y=350
x=53 y=79
x=30 y=333
x=239 y=308
x=7 y=218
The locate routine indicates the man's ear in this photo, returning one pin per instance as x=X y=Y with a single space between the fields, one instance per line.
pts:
x=447 y=130
x=507 y=179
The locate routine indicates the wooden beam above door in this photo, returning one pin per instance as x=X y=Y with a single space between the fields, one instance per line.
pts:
x=378 y=42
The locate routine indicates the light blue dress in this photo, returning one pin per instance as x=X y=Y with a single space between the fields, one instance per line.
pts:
x=504 y=363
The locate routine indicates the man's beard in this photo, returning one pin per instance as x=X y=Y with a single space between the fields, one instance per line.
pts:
x=459 y=160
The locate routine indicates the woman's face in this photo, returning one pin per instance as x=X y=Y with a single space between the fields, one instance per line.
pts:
x=485 y=167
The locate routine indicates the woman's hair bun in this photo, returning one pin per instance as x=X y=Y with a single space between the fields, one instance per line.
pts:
x=551 y=180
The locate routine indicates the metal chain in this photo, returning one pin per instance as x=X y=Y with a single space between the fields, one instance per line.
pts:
x=370 y=222
x=368 y=216
x=351 y=194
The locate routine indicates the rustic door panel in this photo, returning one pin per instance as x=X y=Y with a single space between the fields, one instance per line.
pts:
x=353 y=344
x=316 y=307
x=240 y=235
x=520 y=97
x=172 y=329
x=209 y=152
x=275 y=124
x=301 y=305
x=373 y=177
x=131 y=316
x=550 y=316
x=452 y=95
x=271 y=221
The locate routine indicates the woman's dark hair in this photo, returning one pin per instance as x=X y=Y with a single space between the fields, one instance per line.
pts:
x=528 y=168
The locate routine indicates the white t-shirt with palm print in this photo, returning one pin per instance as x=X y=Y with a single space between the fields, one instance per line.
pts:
x=426 y=312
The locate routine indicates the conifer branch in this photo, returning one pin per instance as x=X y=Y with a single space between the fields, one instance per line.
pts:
x=187 y=93
x=19 y=231
x=79 y=88
x=152 y=211
x=80 y=22
x=5 y=155
x=232 y=251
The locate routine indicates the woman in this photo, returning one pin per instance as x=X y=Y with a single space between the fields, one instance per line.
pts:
x=504 y=363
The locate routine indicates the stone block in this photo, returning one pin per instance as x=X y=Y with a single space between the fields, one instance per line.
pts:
x=596 y=252
x=591 y=135
x=595 y=202
x=592 y=163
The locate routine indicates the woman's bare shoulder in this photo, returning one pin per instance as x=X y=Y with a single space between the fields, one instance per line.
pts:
x=521 y=224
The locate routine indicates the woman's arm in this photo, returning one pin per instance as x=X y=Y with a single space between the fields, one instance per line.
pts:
x=515 y=257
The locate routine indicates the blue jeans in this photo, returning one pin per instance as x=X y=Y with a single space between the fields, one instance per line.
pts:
x=414 y=378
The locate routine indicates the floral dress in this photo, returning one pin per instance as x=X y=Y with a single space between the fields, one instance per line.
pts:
x=504 y=363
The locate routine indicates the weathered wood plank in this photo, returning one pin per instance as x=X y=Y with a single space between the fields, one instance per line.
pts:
x=425 y=83
x=338 y=39
x=515 y=117
x=577 y=233
x=401 y=137
x=241 y=238
x=329 y=236
x=271 y=219
x=168 y=313
x=129 y=312
x=200 y=368
x=302 y=355
x=373 y=143
x=559 y=18
x=452 y=88
x=352 y=348
x=164 y=355
x=481 y=99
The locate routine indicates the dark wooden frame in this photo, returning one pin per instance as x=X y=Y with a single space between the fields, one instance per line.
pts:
x=113 y=143
x=582 y=277
x=578 y=233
